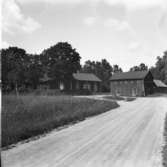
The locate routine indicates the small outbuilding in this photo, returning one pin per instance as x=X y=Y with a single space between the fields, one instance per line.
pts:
x=159 y=86
x=79 y=81
x=137 y=83
x=87 y=81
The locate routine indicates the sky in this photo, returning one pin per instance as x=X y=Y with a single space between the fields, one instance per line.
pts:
x=125 y=32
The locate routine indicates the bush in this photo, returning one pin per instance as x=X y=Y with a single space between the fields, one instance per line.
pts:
x=27 y=116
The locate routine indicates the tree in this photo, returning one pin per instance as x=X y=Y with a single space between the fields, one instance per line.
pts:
x=141 y=67
x=160 y=69
x=116 y=69
x=14 y=61
x=34 y=70
x=102 y=69
x=61 y=61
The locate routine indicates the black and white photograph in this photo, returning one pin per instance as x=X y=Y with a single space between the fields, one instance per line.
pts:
x=83 y=83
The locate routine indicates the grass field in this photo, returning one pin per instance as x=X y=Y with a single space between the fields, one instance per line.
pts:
x=165 y=147
x=27 y=116
x=119 y=98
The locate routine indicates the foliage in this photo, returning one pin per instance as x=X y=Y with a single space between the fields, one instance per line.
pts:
x=141 y=67
x=102 y=69
x=14 y=63
x=21 y=70
x=117 y=69
x=61 y=61
x=27 y=116
x=34 y=71
x=160 y=69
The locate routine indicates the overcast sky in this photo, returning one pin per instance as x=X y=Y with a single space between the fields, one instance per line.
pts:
x=125 y=32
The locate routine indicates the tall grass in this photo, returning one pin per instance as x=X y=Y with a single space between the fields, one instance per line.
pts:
x=27 y=116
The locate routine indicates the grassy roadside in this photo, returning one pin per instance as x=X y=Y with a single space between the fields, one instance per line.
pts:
x=27 y=116
x=165 y=147
x=119 y=98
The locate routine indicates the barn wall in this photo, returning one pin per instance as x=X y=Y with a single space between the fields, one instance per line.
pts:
x=127 y=87
x=160 y=90
x=149 y=84
x=93 y=86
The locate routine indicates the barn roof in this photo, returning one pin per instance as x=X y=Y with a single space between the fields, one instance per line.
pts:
x=159 y=83
x=86 y=77
x=129 y=75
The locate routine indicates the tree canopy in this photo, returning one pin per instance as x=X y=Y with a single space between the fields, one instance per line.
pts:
x=141 y=67
x=117 y=69
x=102 y=69
x=21 y=70
x=159 y=71
x=14 y=63
x=61 y=61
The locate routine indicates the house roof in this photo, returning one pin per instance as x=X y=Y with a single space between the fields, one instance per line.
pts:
x=86 y=77
x=129 y=75
x=159 y=83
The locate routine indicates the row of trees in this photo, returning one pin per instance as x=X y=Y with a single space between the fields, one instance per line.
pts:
x=21 y=70
x=159 y=71
x=103 y=70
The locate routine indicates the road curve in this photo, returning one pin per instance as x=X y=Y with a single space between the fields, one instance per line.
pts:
x=129 y=136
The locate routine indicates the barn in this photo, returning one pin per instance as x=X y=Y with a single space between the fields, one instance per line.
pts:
x=79 y=81
x=159 y=86
x=137 y=83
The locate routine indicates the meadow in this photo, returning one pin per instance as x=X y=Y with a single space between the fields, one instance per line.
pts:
x=26 y=116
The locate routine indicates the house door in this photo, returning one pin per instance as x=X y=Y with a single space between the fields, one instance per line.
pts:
x=134 y=92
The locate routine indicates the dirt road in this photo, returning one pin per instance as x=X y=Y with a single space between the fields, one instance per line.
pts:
x=129 y=136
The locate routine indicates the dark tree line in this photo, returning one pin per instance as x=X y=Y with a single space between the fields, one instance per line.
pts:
x=103 y=70
x=141 y=67
x=159 y=71
x=21 y=71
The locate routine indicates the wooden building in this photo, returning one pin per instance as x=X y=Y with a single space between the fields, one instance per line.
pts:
x=159 y=87
x=138 y=83
x=80 y=81
x=87 y=81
